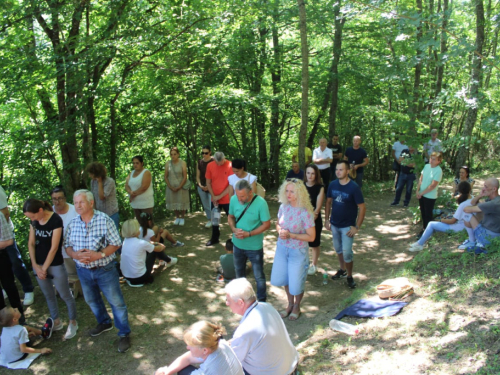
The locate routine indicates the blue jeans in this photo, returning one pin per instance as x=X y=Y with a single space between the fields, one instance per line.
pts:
x=19 y=268
x=105 y=279
x=342 y=243
x=359 y=179
x=256 y=257
x=436 y=226
x=116 y=219
x=206 y=201
x=405 y=179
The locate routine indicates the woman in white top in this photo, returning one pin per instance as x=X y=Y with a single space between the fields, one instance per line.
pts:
x=138 y=256
x=240 y=173
x=140 y=188
x=455 y=224
x=206 y=348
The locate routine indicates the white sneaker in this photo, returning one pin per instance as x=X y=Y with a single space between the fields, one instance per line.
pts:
x=172 y=263
x=176 y=222
x=466 y=244
x=181 y=221
x=312 y=269
x=71 y=331
x=29 y=298
x=58 y=327
x=416 y=247
x=208 y=224
x=178 y=244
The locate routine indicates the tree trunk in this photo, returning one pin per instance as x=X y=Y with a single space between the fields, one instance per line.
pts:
x=305 y=83
x=475 y=84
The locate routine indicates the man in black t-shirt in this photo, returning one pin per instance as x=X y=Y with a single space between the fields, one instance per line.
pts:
x=337 y=154
x=357 y=158
x=406 y=176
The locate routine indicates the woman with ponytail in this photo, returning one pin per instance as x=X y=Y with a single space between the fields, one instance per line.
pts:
x=45 y=244
x=207 y=348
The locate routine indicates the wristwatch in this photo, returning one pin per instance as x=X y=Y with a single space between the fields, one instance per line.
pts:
x=356 y=227
x=102 y=254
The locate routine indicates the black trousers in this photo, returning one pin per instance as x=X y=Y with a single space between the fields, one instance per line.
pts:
x=426 y=209
x=215 y=228
x=325 y=176
x=9 y=284
x=147 y=278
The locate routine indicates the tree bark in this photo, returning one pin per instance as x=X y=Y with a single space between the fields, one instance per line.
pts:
x=305 y=82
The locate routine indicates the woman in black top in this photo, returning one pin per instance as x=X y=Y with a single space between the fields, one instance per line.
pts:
x=45 y=244
x=316 y=190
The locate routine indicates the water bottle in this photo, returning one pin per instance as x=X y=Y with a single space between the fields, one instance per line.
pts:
x=325 y=278
x=215 y=216
x=350 y=329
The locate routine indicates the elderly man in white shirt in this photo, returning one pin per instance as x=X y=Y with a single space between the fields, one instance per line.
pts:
x=322 y=157
x=261 y=341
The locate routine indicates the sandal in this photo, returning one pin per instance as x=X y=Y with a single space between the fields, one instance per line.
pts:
x=294 y=316
x=284 y=314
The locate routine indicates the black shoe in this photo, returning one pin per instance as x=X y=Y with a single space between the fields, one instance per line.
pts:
x=212 y=242
x=124 y=344
x=350 y=282
x=100 y=329
x=340 y=274
x=406 y=205
x=394 y=204
x=47 y=329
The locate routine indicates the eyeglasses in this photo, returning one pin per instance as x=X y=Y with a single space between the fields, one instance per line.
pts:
x=205 y=153
x=58 y=199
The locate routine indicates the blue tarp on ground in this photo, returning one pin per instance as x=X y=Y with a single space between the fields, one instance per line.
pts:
x=371 y=309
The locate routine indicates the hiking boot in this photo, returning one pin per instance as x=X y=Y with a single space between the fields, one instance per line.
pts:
x=124 y=344
x=350 y=282
x=100 y=329
x=340 y=274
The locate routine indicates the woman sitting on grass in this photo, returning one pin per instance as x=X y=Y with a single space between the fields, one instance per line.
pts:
x=138 y=256
x=464 y=174
x=455 y=224
x=151 y=232
x=206 y=348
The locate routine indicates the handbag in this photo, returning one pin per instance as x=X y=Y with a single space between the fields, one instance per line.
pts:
x=260 y=191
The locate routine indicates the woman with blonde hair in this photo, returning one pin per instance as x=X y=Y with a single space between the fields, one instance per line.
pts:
x=296 y=228
x=205 y=347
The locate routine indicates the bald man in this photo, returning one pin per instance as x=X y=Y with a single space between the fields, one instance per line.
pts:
x=485 y=225
x=357 y=158
x=322 y=157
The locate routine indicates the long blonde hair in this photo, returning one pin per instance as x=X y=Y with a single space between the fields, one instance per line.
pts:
x=204 y=334
x=303 y=199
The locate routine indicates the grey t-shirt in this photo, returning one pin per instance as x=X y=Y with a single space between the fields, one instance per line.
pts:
x=12 y=338
x=491 y=211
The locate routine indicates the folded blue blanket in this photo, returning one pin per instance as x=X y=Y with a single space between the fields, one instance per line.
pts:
x=371 y=309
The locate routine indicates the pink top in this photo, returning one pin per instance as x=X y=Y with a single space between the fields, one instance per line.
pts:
x=296 y=220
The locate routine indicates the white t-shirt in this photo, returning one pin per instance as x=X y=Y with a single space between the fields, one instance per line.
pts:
x=233 y=179
x=398 y=147
x=430 y=147
x=326 y=154
x=255 y=342
x=12 y=338
x=221 y=362
x=460 y=215
x=150 y=233
x=66 y=218
x=133 y=261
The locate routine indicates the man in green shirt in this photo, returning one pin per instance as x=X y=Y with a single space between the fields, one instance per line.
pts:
x=249 y=218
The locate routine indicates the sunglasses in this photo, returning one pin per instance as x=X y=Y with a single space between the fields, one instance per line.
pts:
x=294 y=180
x=146 y=215
x=205 y=153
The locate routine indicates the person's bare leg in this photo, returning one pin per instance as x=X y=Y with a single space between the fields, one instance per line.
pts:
x=296 y=306
x=315 y=255
x=177 y=214
x=341 y=261
x=182 y=213
x=167 y=236
x=473 y=223
x=349 y=268
x=290 y=299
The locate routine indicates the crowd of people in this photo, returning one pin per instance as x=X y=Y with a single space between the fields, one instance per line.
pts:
x=83 y=239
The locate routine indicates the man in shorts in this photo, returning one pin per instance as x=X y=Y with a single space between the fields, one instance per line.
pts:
x=344 y=200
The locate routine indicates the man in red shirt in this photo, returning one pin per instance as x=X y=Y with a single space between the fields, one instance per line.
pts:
x=218 y=186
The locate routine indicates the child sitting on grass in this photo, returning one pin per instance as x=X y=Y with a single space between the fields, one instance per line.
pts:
x=151 y=232
x=15 y=336
x=226 y=268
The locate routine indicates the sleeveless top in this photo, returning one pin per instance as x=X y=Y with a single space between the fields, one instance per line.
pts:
x=313 y=193
x=144 y=200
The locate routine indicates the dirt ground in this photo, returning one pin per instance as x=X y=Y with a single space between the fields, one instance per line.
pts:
x=188 y=292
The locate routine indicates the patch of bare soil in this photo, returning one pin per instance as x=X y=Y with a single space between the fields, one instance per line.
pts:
x=408 y=343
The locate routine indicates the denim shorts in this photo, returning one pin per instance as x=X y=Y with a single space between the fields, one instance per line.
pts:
x=290 y=268
x=342 y=243
x=483 y=235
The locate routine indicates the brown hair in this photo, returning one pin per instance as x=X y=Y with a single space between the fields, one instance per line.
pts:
x=97 y=170
x=6 y=316
x=33 y=206
x=317 y=175
x=204 y=334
